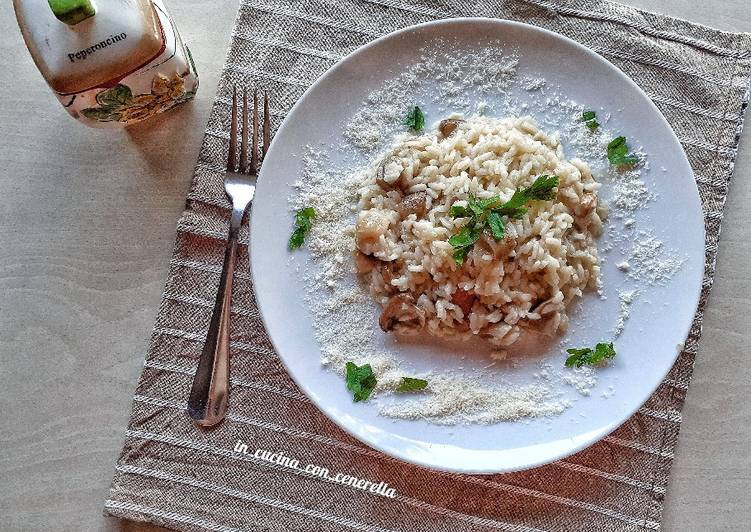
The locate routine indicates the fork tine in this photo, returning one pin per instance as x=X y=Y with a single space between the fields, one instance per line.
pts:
x=231 y=158
x=266 y=125
x=254 y=153
x=244 y=141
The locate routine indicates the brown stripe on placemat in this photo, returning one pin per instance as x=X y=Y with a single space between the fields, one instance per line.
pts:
x=175 y=476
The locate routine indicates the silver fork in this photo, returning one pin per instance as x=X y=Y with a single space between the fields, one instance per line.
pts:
x=209 y=394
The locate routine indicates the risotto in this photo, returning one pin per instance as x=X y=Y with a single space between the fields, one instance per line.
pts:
x=519 y=272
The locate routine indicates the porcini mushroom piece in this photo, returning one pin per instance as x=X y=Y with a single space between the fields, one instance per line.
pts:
x=364 y=263
x=402 y=315
x=547 y=306
x=587 y=204
x=551 y=319
x=448 y=126
x=370 y=225
x=389 y=270
x=413 y=204
x=380 y=181
x=389 y=173
x=464 y=300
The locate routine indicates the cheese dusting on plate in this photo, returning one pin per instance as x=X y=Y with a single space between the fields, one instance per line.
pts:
x=343 y=313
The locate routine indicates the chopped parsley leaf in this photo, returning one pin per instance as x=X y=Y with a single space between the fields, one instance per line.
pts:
x=410 y=384
x=489 y=203
x=360 y=380
x=475 y=206
x=458 y=211
x=415 y=119
x=588 y=356
x=618 y=153
x=460 y=254
x=464 y=240
x=590 y=120
x=495 y=222
x=541 y=189
x=303 y=222
x=467 y=236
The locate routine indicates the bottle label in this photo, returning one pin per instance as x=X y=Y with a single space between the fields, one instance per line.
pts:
x=109 y=41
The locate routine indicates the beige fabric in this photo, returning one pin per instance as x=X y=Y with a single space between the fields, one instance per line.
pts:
x=170 y=473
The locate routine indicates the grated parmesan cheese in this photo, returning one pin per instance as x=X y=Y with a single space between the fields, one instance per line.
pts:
x=625 y=298
x=650 y=261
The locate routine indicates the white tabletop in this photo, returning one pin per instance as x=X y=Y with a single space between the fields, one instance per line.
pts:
x=87 y=222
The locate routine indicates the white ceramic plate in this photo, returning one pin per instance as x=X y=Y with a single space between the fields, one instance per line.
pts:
x=659 y=321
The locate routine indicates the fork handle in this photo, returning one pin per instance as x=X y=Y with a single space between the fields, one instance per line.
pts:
x=209 y=394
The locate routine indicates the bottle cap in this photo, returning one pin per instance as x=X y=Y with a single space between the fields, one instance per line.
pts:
x=72 y=11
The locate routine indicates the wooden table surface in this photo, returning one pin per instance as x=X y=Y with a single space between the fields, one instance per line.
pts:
x=87 y=222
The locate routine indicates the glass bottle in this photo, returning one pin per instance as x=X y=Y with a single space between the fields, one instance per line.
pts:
x=110 y=62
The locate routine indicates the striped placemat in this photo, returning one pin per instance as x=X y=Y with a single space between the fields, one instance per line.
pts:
x=174 y=475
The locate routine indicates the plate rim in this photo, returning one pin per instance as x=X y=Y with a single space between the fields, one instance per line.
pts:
x=605 y=430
